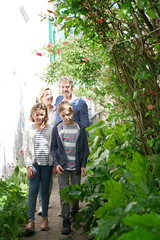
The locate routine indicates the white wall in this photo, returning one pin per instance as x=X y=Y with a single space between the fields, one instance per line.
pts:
x=18 y=84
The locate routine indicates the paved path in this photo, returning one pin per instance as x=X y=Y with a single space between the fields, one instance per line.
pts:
x=55 y=222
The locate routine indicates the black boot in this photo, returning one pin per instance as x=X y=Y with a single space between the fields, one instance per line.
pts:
x=66 y=228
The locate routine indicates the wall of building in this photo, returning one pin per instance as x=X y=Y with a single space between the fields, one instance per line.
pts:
x=22 y=32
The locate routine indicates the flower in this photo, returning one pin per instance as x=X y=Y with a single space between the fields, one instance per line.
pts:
x=147 y=90
x=85 y=58
x=65 y=42
x=50 y=44
x=58 y=51
x=39 y=54
x=149 y=107
x=153 y=94
x=75 y=39
x=100 y=20
x=85 y=3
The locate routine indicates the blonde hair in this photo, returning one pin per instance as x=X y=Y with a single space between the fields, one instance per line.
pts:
x=65 y=105
x=42 y=91
x=38 y=106
x=65 y=78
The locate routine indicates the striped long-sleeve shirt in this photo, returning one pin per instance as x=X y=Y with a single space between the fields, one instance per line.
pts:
x=69 y=135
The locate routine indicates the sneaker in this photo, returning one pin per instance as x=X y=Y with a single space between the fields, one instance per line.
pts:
x=40 y=211
x=44 y=224
x=30 y=227
x=66 y=228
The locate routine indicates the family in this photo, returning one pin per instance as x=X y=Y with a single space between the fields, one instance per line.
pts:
x=55 y=142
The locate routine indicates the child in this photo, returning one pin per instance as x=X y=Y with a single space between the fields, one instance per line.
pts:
x=70 y=151
x=38 y=160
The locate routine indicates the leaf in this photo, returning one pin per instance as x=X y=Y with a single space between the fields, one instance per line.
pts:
x=135 y=95
x=125 y=9
x=140 y=234
x=151 y=12
x=140 y=4
x=150 y=142
x=157 y=46
x=148 y=221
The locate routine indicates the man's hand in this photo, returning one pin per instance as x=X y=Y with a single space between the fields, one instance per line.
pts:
x=59 y=169
x=30 y=173
x=83 y=172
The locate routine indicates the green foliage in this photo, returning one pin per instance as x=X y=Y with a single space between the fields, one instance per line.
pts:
x=120 y=192
x=76 y=58
x=13 y=204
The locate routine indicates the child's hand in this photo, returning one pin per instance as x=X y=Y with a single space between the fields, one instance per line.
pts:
x=30 y=173
x=59 y=169
x=83 y=172
x=54 y=170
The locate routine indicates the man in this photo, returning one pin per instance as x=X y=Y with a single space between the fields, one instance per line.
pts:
x=79 y=105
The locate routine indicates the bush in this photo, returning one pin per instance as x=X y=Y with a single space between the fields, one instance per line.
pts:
x=13 y=204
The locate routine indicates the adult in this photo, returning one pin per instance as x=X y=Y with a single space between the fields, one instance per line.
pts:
x=80 y=107
x=46 y=97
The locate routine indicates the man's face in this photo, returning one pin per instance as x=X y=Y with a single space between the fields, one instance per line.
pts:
x=66 y=89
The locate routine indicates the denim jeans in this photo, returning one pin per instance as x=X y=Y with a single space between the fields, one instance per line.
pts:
x=63 y=181
x=42 y=178
x=50 y=190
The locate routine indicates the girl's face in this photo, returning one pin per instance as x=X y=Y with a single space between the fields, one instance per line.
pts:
x=47 y=98
x=66 y=116
x=39 y=116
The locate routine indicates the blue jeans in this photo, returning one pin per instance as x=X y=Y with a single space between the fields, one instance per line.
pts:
x=50 y=191
x=42 y=178
x=63 y=181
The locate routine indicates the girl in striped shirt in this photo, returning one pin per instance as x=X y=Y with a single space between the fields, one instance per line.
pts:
x=38 y=160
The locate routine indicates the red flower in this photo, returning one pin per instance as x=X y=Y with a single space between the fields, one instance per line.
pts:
x=149 y=107
x=85 y=3
x=100 y=20
x=75 y=39
x=153 y=93
x=147 y=90
x=50 y=44
x=65 y=42
x=39 y=54
x=85 y=58
x=58 y=51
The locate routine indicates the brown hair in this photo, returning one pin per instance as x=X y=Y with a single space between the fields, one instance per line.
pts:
x=65 y=105
x=38 y=106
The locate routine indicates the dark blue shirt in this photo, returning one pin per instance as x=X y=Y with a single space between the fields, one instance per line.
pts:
x=80 y=111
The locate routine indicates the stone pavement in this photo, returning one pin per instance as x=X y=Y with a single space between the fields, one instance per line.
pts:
x=55 y=222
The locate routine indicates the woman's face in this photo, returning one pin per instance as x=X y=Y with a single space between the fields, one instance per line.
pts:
x=47 y=98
